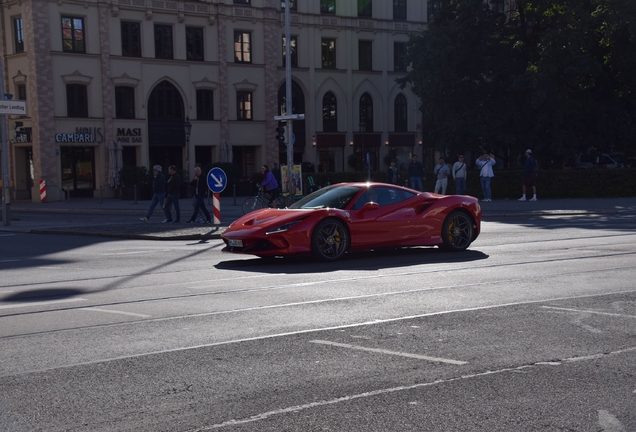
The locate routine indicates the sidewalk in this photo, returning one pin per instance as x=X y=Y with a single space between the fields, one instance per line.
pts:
x=126 y=224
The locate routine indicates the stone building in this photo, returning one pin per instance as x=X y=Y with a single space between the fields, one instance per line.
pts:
x=128 y=74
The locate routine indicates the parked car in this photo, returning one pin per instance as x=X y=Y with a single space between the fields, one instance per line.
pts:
x=602 y=160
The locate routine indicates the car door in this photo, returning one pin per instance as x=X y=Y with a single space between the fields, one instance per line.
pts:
x=388 y=223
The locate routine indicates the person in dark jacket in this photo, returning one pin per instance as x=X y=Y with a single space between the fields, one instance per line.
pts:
x=200 y=188
x=529 y=177
x=416 y=173
x=172 y=195
x=158 y=191
x=392 y=175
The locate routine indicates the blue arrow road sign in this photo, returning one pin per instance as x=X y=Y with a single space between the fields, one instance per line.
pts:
x=217 y=180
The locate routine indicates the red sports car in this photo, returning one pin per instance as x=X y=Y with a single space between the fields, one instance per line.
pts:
x=357 y=216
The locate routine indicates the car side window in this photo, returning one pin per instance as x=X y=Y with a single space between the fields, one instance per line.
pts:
x=383 y=196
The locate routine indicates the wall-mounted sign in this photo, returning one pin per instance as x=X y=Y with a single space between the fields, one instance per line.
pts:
x=13 y=107
x=81 y=135
x=129 y=135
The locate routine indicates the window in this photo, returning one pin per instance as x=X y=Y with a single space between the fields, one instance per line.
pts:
x=293 y=51
x=22 y=92
x=365 y=55
x=194 y=43
x=399 y=9
x=328 y=51
x=130 y=39
x=364 y=8
x=400 y=113
x=243 y=2
x=244 y=105
x=76 y=100
x=432 y=8
x=242 y=47
x=125 y=102
x=292 y=5
x=73 y=34
x=163 y=41
x=366 y=112
x=399 y=57
x=18 y=35
x=328 y=7
x=329 y=113
x=498 y=6
x=205 y=105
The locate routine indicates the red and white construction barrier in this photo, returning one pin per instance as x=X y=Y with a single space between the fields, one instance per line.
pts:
x=216 y=208
x=42 y=191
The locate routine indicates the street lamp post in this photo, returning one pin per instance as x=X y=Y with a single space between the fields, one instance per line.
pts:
x=187 y=127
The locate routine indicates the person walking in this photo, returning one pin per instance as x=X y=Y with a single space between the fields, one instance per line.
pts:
x=173 y=187
x=200 y=187
x=416 y=173
x=459 y=175
x=485 y=163
x=392 y=175
x=442 y=172
x=158 y=191
x=529 y=176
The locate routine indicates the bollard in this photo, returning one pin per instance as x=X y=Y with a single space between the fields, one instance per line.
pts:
x=135 y=193
x=234 y=192
x=42 y=191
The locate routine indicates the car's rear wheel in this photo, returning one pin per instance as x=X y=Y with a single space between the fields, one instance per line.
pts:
x=457 y=231
x=330 y=240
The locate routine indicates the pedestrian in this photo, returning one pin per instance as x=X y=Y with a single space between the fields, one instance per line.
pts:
x=416 y=173
x=158 y=191
x=270 y=185
x=529 y=176
x=173 y=187
x=485 y=163
x=392 y=175
x=200 y=188
x=442 y=172
x=459 y=175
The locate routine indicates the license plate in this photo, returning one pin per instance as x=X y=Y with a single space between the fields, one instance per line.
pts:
x=235 y=243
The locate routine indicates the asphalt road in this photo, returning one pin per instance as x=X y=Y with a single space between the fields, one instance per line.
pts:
x=533 y=328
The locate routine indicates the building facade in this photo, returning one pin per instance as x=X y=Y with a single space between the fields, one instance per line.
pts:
x=126 y=75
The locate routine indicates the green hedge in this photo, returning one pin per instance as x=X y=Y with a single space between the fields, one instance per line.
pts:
x=592 y=183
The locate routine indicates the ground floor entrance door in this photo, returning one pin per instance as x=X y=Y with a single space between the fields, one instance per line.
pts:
x=78 y=170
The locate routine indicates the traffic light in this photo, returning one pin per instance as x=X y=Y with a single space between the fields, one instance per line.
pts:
x=280 y=134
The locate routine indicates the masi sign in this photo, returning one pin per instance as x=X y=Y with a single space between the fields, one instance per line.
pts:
x=128 y=135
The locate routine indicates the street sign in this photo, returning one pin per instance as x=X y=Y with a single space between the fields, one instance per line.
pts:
x=290 y=117
x=293 y=139
x=217 y=180
x=12 y=107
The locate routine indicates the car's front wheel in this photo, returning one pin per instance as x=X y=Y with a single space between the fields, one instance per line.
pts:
x=457 y=231
x=330 y=240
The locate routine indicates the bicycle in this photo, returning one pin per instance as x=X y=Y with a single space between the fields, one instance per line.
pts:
x=260 y=201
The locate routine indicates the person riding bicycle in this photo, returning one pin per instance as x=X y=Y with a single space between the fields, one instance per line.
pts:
x=270 y=185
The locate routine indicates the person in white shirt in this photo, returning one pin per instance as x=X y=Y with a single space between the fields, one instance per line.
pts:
x=459 y=175
x=442 y=172
x=485 y=163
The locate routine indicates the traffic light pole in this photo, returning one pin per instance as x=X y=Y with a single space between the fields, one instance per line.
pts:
x=288 y=99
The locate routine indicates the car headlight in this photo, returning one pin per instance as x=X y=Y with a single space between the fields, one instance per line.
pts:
x=283 y=228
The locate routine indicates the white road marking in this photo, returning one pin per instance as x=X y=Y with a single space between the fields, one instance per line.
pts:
x=395 y=353
x=126 y=253
x=607 y=419
x=609 y=423
x=49 y=267
x=589 y=311
x=118 y=312
x=42 y=303
x=9 y=260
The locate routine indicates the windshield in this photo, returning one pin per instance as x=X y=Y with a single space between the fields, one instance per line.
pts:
x=330 y=197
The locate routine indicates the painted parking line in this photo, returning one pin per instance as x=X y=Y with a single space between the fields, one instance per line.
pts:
x=42 y=303
x=588 y=311
x=395 y=353
x=118 y=312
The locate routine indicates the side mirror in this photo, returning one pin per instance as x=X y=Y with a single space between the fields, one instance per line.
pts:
x=369 y=206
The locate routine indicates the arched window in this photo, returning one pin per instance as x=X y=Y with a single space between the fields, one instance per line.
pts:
x=400 y=113
x=366 y=112
x=329 y=113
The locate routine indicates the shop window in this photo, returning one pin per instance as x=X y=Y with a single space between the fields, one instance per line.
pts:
x=244 y=105
x=194 y=43
x=125 y=102
x=242 y=47
x=130 y=39
x=73 y=34
x=163 y=41
x=205 y=105
x=76 y=100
